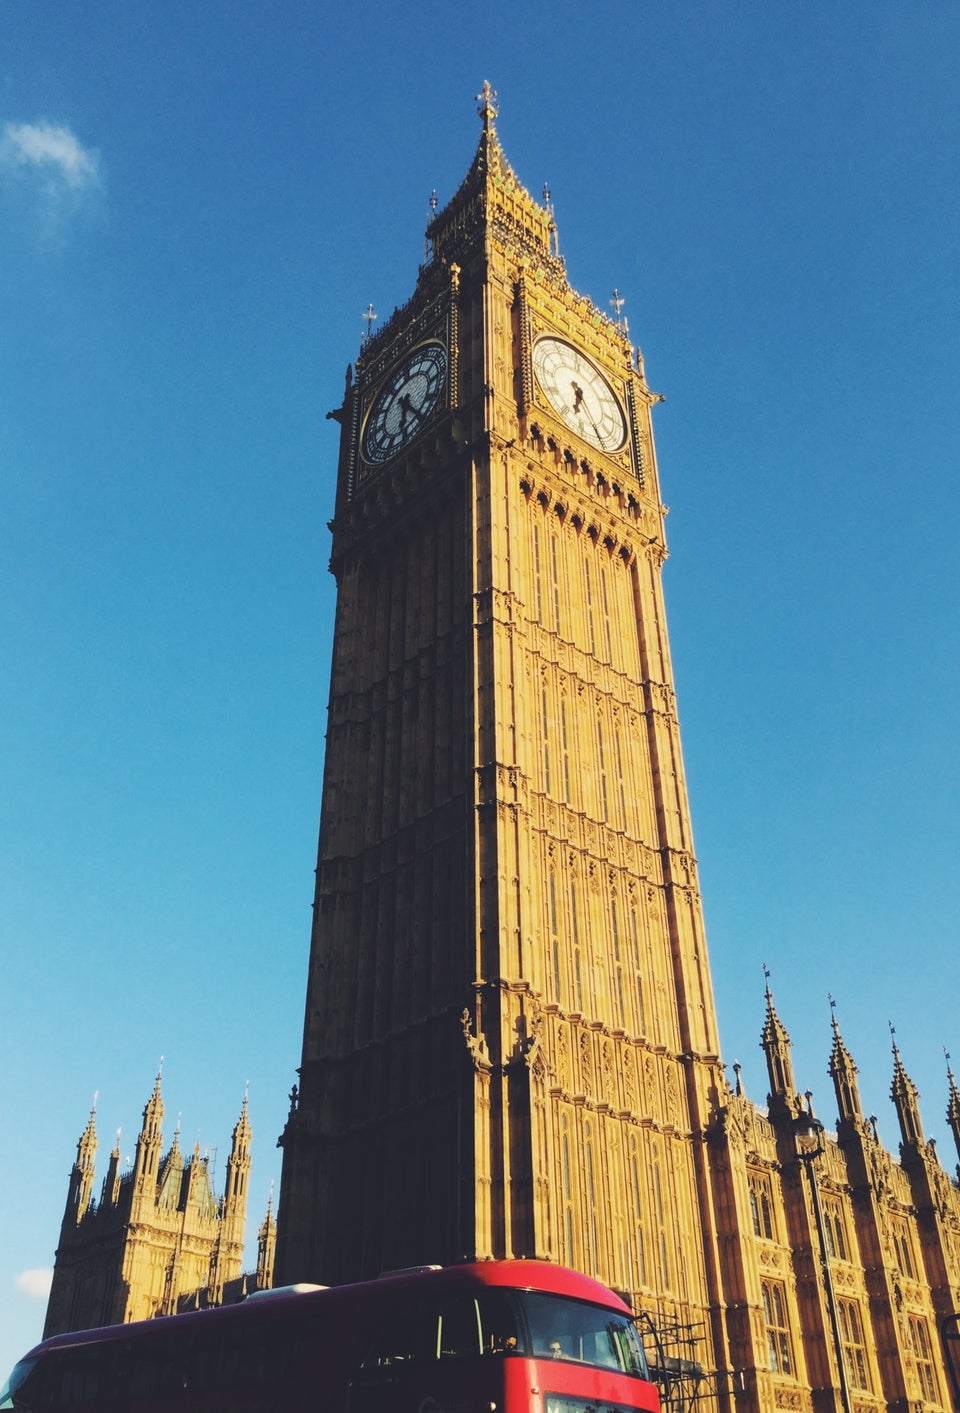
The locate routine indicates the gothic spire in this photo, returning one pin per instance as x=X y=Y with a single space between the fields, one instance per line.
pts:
x=238 y=1176
x=153 y=1111
x=242 y=1132
x=266 y=1246
x=87 y=1145
x=111 y=1183
x=490 y=191
x=904 y=1094
x=843 y=1072
x=146 y=1163
x=81 y=1179
x=775 y=1043
x=953 y=1107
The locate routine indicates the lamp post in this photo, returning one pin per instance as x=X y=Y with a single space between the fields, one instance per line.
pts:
x=808 y=1145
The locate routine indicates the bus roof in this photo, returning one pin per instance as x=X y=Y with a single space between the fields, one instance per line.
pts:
x=518 y=1275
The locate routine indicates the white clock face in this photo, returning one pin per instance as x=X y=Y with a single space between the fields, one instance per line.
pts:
x=580 y=393
x=405 y=402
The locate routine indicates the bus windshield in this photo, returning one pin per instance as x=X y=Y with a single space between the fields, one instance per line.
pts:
x=587 y=1334
x=20 y=1372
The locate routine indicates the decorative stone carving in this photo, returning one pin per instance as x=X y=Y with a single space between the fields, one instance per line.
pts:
x=476 y=1045
x=586 y=1064
x=563 y=1058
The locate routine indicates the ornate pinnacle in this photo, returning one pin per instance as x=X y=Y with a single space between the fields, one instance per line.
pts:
x=487 y=104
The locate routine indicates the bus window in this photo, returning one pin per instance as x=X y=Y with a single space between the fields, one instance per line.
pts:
x=459 y=1329
x=498 y=1322
x=585 y=1334
x=485 y=1324
x=456 y=1327
x=157 y=1371
x=81 y=1379
x=407 y=1336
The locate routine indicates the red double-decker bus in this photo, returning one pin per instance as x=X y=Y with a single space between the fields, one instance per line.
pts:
x=510 y=1336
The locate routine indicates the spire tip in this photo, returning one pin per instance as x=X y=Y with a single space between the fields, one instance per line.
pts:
x=487 y=105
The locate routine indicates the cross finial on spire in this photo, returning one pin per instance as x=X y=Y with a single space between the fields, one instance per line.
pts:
x=487 y=105
x=369 y=315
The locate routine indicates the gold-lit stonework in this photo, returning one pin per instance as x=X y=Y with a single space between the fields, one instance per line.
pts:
x=158 y=1240
x=510 y=1043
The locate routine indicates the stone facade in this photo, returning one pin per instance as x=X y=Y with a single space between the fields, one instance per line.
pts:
x=158 y=1240
x=511 y=1044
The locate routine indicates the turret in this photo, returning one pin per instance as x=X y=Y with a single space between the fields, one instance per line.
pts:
x=904 y=1094
x=146 y=1163
x=953 y=1108
x=81 y=1177
x=111 y=1183
x=843 y=1072
x=266 y=1245
x=238 y=1174
x=775 y=1043
x=198 y=1182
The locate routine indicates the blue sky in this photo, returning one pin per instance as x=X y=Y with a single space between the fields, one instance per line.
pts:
x=196 y=205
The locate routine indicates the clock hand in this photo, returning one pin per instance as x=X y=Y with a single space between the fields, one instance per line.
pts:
x=406 y=409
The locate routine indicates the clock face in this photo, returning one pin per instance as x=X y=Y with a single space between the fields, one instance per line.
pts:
x=405 y=401
x=580 y=393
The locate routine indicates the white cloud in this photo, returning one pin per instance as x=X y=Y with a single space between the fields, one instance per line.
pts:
x=48 y=179
x=35 y=1284
x=52 y=153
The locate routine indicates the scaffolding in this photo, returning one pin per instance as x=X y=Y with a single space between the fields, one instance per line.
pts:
x=670 y=1346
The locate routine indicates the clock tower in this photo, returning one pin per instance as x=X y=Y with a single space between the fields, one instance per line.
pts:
x=510 y=1045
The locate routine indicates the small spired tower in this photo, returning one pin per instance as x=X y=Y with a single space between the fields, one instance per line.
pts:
x=266 y=1248
x=843 y=1072
x=906 y=1100
x=82 y=1174
x=953 y=1110
x=783 y=1098
x=228 y=1252
x=158 y=1239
